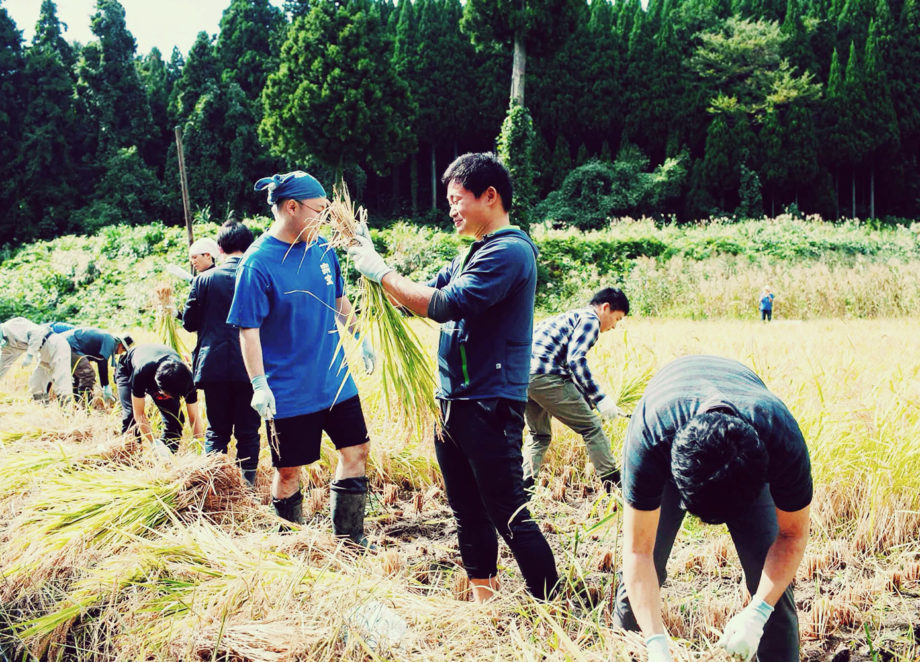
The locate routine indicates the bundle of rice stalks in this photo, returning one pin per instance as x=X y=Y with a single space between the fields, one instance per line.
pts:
x=101 y=509
x=167 y=325
x=406 y=370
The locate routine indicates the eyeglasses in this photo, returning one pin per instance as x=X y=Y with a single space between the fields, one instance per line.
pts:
x=313 y=209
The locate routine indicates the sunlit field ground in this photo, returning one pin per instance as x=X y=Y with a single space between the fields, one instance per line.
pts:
x=110 y=553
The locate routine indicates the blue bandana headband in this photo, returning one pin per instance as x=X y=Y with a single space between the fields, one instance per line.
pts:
x=296 y=185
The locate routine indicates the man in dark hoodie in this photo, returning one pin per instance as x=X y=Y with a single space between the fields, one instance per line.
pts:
x=484 y=301
x=217 y=361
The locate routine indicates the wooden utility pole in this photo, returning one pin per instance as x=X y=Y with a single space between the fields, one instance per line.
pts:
x=183 y=180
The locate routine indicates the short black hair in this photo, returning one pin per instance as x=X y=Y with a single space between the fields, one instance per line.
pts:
x=234 y=237
x=612 y=296
x=719 y=464
x=477 y=171
x=174 y=378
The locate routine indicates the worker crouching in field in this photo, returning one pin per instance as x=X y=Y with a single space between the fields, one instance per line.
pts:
x=289 y=295
x=157 y=371
x=484 y=301
x=53 y=369
x=91 y=345
x=18 y=337
x=562 y=386
x=217 y=363
x=709 y=438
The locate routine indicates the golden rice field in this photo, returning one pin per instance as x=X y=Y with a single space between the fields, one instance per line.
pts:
x=109 y=553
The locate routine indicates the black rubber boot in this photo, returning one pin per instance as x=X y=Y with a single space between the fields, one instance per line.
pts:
x=249 y=475
x=290 y=508
x=611 y=480
x=347 y=497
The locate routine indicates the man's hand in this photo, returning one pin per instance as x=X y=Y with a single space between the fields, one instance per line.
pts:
x=607 y=408
x=107 y=395
x=367 y=260
x=369 y=356
x=743 y=632
x=263 y=400
x=657 y=647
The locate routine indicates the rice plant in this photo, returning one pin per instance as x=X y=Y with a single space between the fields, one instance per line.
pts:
x=407 y=374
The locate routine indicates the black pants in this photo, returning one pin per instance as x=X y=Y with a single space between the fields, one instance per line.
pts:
x=766 y=315
x=170 y=411
x=229 y=413
x=480 y=458
x=753 y=532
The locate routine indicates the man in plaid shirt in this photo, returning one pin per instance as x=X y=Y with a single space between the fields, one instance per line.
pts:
x=561 y=384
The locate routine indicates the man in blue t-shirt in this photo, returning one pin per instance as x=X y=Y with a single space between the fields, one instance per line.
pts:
x=709 y=438
x=289 y=295
x=484 y=302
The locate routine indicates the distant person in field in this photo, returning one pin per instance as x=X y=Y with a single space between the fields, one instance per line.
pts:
x=91 y=345
x=217 y=363
x=766 y=305
x=203 y=253
x=19 y=337
x=157 y=371
x=289 y=297
x=484 y=301
x=562 y=386
x=710 y=439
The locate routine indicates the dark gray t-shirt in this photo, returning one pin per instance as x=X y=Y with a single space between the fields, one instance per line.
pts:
x=689 y=385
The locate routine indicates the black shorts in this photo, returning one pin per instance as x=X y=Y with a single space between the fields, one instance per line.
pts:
x=295 y=441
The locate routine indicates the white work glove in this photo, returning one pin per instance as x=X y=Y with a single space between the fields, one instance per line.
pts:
x=368 y=354
x=367 y=260
x=107 y=394
x=2 y=340
x=263 y=400
x=608 y=408
x=27 y=360
x=743 y=632
x=657 y=647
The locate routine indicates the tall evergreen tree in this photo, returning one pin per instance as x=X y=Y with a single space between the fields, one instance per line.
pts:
x=882 y=136
x=200 y=71
x=516 y=150
x=47 y=163
x=156 y=79
x=342 y=105
x=534 y=27
x=11 y=109
x=248 y=43
x=109 y=84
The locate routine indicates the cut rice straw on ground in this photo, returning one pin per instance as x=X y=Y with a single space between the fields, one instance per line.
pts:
x=406 y=370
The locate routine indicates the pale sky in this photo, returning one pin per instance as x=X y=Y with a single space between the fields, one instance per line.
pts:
x=160 y=23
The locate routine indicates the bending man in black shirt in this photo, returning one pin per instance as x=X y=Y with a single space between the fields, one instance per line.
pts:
x=708 y=437
x=157 y=371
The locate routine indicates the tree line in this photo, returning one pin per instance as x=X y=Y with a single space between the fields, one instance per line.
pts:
x=683 y=109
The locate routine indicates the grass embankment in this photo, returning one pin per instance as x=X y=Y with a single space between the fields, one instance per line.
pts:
x=715 y=270
x=182 y=574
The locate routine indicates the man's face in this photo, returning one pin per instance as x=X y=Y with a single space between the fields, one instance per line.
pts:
x=202 y=261
x=309 y=212
x=469 y=213
x=608 y=318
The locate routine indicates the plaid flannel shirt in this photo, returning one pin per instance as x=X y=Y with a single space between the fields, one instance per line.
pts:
x=560 y=347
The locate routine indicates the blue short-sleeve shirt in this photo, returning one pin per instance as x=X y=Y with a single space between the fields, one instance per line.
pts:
x=289 y=293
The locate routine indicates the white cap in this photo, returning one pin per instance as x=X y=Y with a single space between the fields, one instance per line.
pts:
x=204 y=246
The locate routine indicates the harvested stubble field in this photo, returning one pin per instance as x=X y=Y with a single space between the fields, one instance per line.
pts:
x=109 y=553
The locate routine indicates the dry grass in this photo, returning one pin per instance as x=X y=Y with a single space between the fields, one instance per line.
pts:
x=109 y=554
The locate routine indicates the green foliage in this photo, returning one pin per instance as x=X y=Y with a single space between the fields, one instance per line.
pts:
x=751 y=199
x=336 y=96
x=515 y=149
x=107 y=279
x=594 y=193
